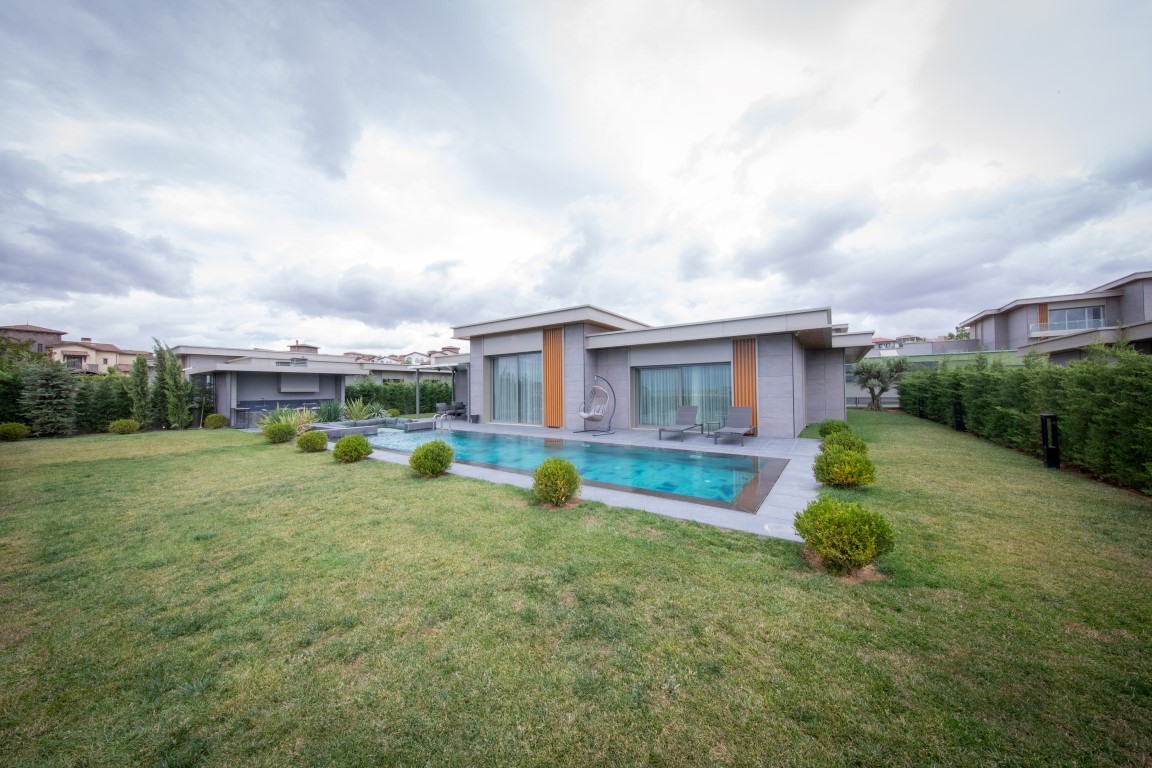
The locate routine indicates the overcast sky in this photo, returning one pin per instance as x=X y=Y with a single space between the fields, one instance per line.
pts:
x=365 y=175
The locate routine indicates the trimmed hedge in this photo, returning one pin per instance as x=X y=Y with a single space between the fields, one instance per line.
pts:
x=215 y=421
x=1103 y=406
x=312 y=442
x=11 y=431
x=848 y=441
x=432 y=459
x=846 y=535
x=278 y=431
x=833 y=425
x=351 y=448
x=124 y=427
x=556 y=481
x=842 y=468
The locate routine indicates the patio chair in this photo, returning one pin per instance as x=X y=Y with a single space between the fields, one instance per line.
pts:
x=738 y=423
x=685 y=420
x=458 y=409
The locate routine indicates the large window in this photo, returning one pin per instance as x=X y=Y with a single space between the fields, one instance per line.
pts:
x=1077 y=319
x=661 y=390
x=517 y=388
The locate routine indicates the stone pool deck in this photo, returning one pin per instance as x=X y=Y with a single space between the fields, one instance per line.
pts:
x=793 y=490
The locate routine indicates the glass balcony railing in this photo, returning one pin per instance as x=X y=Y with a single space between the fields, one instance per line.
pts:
x=1068 y=326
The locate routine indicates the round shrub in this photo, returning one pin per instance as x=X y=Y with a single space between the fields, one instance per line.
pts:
x=843 y=468
x=124 y=427
x=393 y=412
x=556 y=481
x=278 y=431
x=351 y=448
x=11 y=431
x=846 y=535
x=848 y=441
x=312 y=442
x=432 y=458
x=215 y=421
x=833 y=425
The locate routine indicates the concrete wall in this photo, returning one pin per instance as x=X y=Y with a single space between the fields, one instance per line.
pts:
x=776 y=386
x=612 y=364
x=477 y=380
x=577 y=374
x=825 y=388
x=253 y=386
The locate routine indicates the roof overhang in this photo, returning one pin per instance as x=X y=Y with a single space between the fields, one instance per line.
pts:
x=813 y=326
x=1134 y=332
x=1091 y=295
x=569 y=316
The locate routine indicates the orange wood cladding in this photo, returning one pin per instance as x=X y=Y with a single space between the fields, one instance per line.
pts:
x=1042 y=309
x=553 y=377
x=744 y=374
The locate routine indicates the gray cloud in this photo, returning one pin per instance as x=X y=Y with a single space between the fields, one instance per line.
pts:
x=806 y=248
x=48 y=253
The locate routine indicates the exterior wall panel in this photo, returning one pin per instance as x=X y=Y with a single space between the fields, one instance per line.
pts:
x=774 y=386
x=553 y=377
x=744 y=376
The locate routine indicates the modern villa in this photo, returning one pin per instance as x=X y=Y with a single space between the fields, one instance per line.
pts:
x=1061 y=326
x=538 y=369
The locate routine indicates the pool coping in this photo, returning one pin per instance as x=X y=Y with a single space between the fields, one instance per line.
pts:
x=751 y=495
x=791 y=492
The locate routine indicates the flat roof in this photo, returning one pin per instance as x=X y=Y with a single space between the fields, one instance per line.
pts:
x=585 y=313
x=1097 y=294
x=752 y=325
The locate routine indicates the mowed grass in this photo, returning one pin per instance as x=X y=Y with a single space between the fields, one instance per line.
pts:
x=201 y=598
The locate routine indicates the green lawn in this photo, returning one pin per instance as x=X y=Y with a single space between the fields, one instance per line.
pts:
x=201 y=598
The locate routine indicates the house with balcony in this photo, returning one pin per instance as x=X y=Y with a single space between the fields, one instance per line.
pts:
x=87 y=356
x=539 y=369
x=1062 y=326
x=39 y=338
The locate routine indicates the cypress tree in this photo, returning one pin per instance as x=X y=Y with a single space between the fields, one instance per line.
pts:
x=48 y=398
x=137 y=390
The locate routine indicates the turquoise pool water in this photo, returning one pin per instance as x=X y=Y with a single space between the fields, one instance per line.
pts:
x=708 y=477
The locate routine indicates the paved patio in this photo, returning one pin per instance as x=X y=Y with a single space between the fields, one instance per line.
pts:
x=793 y=490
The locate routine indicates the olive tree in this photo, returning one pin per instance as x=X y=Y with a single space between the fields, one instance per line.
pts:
x=878 y=375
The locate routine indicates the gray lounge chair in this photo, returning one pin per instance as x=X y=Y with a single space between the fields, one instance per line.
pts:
x=685 y=420
x=738 y=422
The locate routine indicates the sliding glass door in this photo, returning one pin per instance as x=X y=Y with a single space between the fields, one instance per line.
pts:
x=517 y=388
x=661 y=390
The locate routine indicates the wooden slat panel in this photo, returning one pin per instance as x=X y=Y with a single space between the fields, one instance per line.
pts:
x=553 y=377
x=744 y=375
x=1042 y=309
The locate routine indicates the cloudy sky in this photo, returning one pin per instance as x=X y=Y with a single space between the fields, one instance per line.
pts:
x=365 y=175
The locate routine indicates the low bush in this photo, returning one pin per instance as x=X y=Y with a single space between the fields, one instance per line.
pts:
x=432 y=458
x=393 y=412
x=330 y=410
x=833 y=425
x=299 y=419
x=846 y=535
x=843 y=468
x=556 y=481
x=215 y=421
x=358 y=410
x=12 y=431
x=312 y=442
x=848 y=441
x=278 y=431
x=351 y=448
x=124 y=427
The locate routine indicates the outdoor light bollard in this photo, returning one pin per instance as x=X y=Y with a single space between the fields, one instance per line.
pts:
x=958 y=416
x=1050 y=440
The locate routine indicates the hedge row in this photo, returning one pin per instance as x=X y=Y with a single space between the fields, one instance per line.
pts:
x=1103 y=406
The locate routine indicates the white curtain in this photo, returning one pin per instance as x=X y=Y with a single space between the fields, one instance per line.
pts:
x=517 y=388
x=661 y=390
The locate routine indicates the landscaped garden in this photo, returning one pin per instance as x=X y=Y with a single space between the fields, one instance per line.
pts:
x=208 y=598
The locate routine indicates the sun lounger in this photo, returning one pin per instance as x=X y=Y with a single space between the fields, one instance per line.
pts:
x=685 y=420
x=738 y=423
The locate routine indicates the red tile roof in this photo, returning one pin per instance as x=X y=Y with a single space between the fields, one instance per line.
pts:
x=30 y=328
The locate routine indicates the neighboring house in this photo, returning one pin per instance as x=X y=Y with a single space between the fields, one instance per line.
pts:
x=87 y=356
x=1062 y=326
x=40 y=337
x=250 y=380
x=538 y=369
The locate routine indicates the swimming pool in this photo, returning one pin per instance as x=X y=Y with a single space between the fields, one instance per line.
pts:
x=731 y=482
